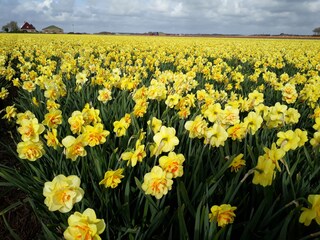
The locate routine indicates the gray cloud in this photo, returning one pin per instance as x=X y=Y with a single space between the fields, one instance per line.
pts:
x=178 y=16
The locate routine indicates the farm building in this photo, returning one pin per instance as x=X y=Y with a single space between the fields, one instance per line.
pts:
x=27 y=27
x=52 y=29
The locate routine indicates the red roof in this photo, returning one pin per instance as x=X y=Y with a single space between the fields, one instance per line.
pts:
x=28 y=26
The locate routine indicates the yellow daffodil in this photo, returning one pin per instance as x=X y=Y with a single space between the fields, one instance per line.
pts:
x=292 y=116
x=30 y=130
x=237 y=163
x=276 y=115
x=216 y=135
x=155 y=124
x=274 y=154
x=53 y=118
x=51 y=104
x=229 y=116
x=172 y=100
x=184 y=112
x=95 y=135
x=289 y=93
x=316 y=112
x=76 y=122
x=157 y=90
x=197 y=127
x=315 y=141
x=302 y=135
x=30 y=150
x=165 y=139
x=316 y=126
x=252 y=122
x=112 y=178
x=213 y=113
x=90 y=115
x=134 y=156
x=11 y=113
x=223 y=214
x=255 y=98
x=120 y=127
x=104 y=95
x=27 y=115
x=157 y=182
x=29 y=86
x=52 y=139
x=62 y=193
x=81 y=78
x=140 y=108
x=308 y=214
x=237 y=131
x=264 y=171
x=74 y=147
x=4 y=93
x=288 y=140
x=84 y=226
x=35 y=101
x=172 y=164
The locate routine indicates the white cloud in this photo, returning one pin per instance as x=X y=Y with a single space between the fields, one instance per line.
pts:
x=314 y=6
x=37 y=6
x=159 y=6
x=191 y=16
x=46 y=4
x=178 y=10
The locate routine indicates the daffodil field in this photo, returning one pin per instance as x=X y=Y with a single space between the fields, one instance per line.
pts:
x=134 y=137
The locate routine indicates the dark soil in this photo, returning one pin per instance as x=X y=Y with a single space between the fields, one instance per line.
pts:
x=20 y=219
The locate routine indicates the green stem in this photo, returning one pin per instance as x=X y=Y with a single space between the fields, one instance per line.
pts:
x=240 y=183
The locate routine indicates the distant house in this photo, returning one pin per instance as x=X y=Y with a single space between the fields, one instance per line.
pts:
x=27 y=27
x=52 y=29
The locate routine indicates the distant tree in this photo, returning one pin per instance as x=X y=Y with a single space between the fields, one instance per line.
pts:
x=11 y=27
x=316 y=31
x=5 y=28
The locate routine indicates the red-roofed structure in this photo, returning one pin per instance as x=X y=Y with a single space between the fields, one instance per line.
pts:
x=26 y=27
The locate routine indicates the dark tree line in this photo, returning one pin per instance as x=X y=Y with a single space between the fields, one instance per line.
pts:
x=11 y=27
x=316 y=31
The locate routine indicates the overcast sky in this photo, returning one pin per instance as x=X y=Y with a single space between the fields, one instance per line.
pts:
x=170 y=16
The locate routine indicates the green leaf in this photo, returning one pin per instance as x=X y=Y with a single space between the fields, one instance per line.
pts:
x=47 y=233
x=284 y=228
x=10 y=207
x=182 y=224
x=182 y=191
x=198 y=222
x=157 y=221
